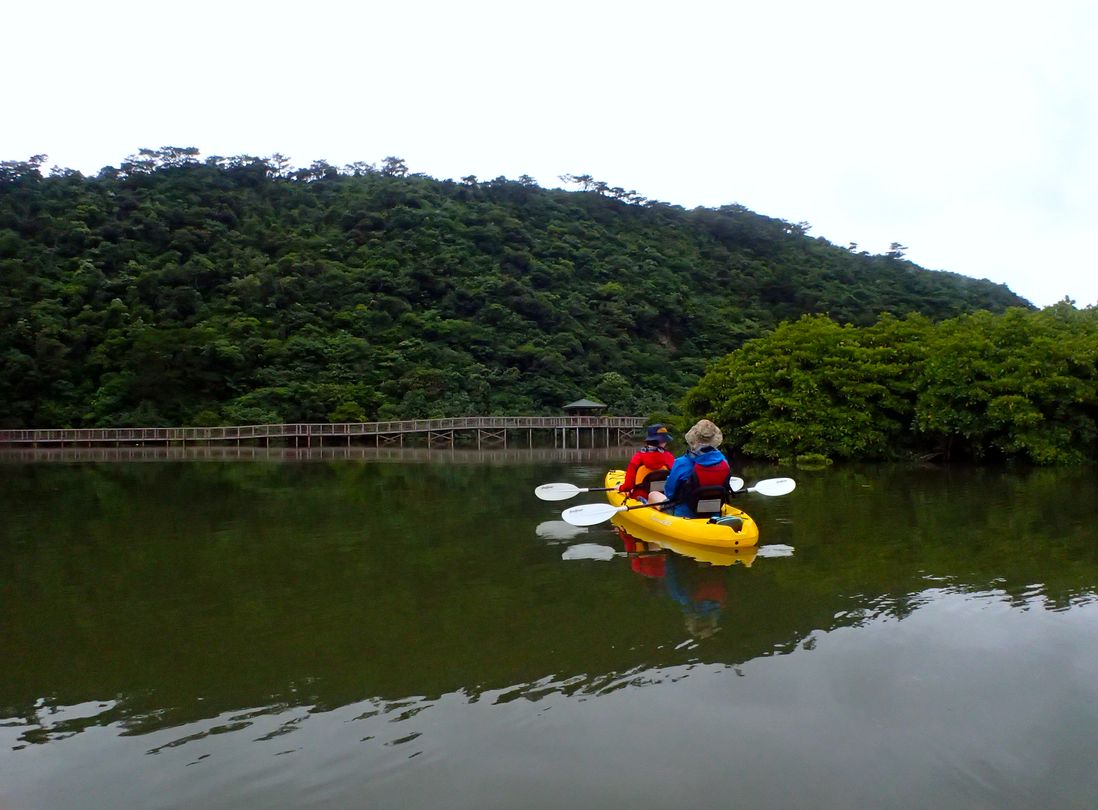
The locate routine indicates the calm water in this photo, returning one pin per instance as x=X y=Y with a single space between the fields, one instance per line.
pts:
x=409 y=633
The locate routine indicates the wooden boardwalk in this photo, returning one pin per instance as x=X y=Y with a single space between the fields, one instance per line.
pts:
x=567 y=431
x=609 y=456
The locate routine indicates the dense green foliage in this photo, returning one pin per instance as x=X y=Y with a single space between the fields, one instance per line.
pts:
x=239 y=290
x=1017 y=385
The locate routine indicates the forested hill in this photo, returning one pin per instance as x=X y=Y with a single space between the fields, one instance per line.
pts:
x=239 y=290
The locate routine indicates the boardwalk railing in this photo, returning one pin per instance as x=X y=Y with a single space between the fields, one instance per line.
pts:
x=358 y=452
x=491 y=427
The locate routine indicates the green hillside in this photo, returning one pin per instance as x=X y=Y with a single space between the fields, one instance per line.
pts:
x=239 y=290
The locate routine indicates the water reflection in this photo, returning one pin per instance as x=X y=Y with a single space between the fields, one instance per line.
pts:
x=705 y=555
x=213 y=616
x=693 y=576
x=284 y=582
x=559 y=531
x=699 y=589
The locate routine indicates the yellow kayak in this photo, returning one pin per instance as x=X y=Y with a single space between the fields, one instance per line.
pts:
x=654 y=526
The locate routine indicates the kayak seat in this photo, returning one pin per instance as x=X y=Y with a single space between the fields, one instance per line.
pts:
x=707 y=501
x=657 y=480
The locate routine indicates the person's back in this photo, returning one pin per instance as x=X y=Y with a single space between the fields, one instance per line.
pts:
x=649 y=465
x=698 y=481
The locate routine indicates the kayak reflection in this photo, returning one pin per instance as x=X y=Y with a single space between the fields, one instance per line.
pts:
x=710 y=555
x=693 y=576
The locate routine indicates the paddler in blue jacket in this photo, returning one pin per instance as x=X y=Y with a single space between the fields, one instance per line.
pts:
x=702 y=466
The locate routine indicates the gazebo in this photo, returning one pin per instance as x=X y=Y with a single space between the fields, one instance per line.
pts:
x=584 y=407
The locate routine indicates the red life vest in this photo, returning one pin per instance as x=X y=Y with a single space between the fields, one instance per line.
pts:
x=707 y=489
x=714 y=475
x=654 y=466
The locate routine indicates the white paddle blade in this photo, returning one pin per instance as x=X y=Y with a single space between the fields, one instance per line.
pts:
x=774 y=486
x=735 y=484
x=588 y=551
x=557 y=492
x=557 y=531
x=775 y=550
x=589 y=514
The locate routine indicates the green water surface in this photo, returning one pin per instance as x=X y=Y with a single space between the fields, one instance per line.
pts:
x=379 y=632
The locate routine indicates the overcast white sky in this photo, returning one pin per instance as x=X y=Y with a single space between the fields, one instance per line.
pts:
x=967 y=131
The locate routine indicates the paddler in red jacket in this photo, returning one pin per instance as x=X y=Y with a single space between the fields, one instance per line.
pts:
x=650 y=464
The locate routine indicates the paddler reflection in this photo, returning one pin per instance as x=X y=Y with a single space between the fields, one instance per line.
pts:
x=693 y=576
